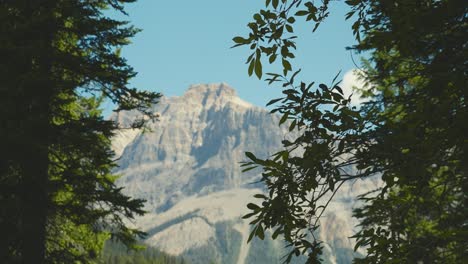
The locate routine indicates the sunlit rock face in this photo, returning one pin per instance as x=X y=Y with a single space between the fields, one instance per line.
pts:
x=187 y=167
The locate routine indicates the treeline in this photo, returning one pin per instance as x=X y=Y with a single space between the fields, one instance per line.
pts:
x=116 y=253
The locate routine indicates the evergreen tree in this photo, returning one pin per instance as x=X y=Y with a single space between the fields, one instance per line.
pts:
x=55 y=158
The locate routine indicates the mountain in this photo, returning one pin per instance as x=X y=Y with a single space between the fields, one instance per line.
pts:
x=187 y=168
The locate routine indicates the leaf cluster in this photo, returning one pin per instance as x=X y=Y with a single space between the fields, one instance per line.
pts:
x=411 y=133
x=272 y=32
x=311 y=168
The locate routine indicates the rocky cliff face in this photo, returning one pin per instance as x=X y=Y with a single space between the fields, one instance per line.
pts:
x=187 y=168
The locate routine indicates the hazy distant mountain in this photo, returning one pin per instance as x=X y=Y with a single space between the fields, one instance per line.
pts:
x=187 y=168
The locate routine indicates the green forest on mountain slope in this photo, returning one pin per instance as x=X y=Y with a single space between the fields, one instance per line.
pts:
x=61 y=59
x=114 y=253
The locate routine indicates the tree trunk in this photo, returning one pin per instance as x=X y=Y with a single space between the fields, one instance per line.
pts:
x=35 y=206
x=35 y=192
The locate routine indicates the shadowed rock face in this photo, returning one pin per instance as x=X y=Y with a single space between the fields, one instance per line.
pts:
x=196 y=146
x=188 y=169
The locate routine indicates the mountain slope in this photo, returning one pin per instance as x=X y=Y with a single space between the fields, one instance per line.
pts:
x=187 y=168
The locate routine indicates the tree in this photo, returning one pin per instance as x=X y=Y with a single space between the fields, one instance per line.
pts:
x=411 y=132
x=58 y=59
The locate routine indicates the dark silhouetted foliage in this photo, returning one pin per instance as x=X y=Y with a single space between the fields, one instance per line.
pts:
x=411 y=132
x=60 y=59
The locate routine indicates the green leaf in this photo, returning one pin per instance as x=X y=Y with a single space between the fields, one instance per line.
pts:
x=250 y=58
x=339 y=90
x=276 y=233
x=336 y=77
x=359 y=243
x=251 y=67
x=275 y=4
x=251 y=235
x=271 y=80
x=285 y=156
x=274 y=101
x=352 y=2
x=286 y=65
x=349 y=14
x=292 y=126
x=260 y=233
x=249 y=168
x=260 y=196
x=236 y=45
x=257 y=17
x=251 y=156
x=284 y=118
x=302 y=13
x=341 y=145
x=240 y=40
x=291 y=80
x=272 y=58
x=252 y=206
x=249 y=215
x=258 y=68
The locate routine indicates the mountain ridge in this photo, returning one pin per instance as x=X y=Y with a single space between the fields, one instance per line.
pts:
x=187 y=168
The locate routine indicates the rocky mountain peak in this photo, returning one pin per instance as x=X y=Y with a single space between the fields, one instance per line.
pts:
x=196 y=146
x=213 y=95
x=216 y=89
x=188 y=170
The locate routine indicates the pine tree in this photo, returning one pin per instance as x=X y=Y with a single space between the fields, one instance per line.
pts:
x=55 y=157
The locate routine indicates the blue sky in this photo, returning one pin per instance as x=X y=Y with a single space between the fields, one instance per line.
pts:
x=188 y=42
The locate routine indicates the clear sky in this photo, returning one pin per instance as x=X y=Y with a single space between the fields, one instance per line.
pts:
x=188 y=42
